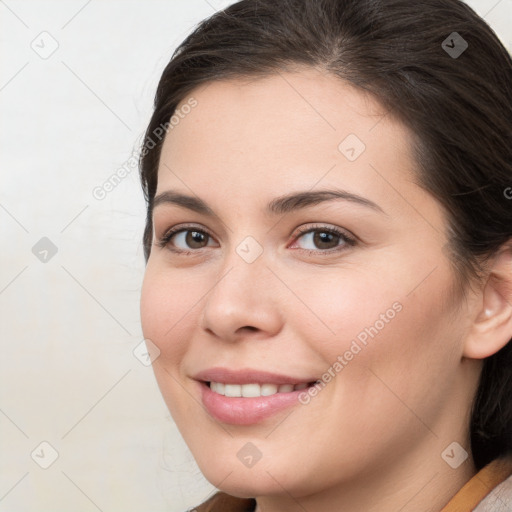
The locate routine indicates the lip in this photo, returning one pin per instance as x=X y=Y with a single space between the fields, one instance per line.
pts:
x=246 y=411
x=248 y=376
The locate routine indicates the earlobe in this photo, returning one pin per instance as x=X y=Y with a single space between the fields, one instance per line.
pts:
x=492 y=326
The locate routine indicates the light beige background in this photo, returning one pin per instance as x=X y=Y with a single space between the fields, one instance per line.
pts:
x=69 y=325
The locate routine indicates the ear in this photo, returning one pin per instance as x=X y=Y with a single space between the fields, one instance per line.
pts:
x=491 y=329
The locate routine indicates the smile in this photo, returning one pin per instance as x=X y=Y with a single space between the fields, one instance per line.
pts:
x=254 y=390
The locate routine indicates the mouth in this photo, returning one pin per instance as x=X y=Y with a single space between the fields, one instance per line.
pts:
x=254 y=390
x=247 y=396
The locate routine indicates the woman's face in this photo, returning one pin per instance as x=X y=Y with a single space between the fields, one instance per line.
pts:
x=305 y=250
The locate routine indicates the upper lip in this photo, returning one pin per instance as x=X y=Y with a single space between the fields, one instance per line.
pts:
x=248 y=376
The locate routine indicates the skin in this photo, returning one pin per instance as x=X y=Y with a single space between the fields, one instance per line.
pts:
x=372 y=439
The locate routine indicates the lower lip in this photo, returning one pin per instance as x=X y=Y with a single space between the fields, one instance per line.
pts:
x=246 y=411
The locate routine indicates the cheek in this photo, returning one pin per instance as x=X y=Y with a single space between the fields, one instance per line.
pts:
x=166 y=307
x=345 y=306
x=413 y=356
x=387 y=329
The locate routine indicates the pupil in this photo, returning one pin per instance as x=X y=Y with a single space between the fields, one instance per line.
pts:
x=323 y=237
x=195 y=237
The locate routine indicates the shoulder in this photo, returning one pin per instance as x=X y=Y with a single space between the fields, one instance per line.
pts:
x=222 y=502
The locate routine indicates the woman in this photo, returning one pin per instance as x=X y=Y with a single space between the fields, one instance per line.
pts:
x=329 y=255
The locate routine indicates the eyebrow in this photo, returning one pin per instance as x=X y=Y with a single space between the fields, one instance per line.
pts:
x=278 y=206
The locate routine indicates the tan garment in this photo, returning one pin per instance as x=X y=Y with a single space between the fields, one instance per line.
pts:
x=222 y=502
x=490 y=490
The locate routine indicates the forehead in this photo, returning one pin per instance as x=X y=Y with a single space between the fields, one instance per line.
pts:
x=283 y=107
x=287 y=128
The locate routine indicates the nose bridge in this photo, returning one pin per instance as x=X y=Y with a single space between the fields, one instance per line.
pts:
x=244 y=266
x=241 y=278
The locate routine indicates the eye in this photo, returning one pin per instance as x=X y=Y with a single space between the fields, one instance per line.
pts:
x=322 y=239
x=184 y=238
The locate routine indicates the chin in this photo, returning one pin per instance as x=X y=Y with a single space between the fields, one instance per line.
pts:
x=262 y=479
x=250 y=485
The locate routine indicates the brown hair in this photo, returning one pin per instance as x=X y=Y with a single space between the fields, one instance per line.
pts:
x=458 y=106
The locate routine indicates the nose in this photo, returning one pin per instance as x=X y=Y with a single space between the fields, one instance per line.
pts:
x=243 y=301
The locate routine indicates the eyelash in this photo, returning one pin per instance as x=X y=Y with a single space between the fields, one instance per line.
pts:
x=348 y=240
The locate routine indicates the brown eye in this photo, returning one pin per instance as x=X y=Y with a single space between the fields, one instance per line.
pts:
x=323 y=239
x=195 y=239
x=185 y=239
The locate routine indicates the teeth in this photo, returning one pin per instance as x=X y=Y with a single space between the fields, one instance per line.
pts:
x=268 y=389
x=253 y=390
x=232 y=390
x=218 y=387
x=250 y=390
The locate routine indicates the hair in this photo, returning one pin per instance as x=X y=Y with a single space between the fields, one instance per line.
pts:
x=458 y=109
